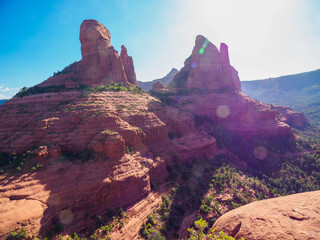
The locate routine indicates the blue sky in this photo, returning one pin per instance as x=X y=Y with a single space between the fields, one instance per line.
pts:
x=265 y=38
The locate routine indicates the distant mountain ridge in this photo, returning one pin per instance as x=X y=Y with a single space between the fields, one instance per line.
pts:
x=164 y=81
x=289 y=82
x=300 y=91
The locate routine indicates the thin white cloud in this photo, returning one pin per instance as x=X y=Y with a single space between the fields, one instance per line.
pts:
x=6 y=89
x=7 y=92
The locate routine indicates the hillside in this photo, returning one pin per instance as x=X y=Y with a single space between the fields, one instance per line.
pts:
x=88 y=154
x=164 y=81
x=301 y=92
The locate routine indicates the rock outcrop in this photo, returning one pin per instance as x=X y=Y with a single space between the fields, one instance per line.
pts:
x=292 y=118
x=157 y=86
x=291 y=217
x=100 y=63
x=214 y=96
x=207 y=68
x=128 y=65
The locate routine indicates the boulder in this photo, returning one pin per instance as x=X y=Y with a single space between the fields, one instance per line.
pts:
x=291 y=217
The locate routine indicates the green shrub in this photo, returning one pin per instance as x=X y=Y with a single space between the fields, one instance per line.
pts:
x=22 y=234
x=204 y=208
x=38 y=90
x=155 y=235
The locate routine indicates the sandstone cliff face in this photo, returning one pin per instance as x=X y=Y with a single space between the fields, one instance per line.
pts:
x=214 y=94
x=100 y=63
x=128 y=65
x=207 y=68
x=291 y=217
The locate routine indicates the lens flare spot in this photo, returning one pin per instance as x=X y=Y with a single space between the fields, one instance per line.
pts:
x=66 y=216
x=204 y=45
x=194 y=65
x=260 y=152
x=223 y=111
x=201 y=50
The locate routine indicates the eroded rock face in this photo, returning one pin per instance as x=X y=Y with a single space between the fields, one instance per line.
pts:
x=94 y=38
x=207 y=68
x=292 y=118
x=75 y=124
x=291 y=217
x=239 y=114
x=100 y=63
x=214 y=97
x=128 y=65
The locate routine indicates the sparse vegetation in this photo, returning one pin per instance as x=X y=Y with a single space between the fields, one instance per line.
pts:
x=113 y=87
x=117 y=87
x=129 y=149
x=21 y=234
x=38 y=90
x=199 y=232
x=15 y=163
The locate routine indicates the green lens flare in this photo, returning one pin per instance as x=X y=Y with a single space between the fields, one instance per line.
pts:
x=201 y=50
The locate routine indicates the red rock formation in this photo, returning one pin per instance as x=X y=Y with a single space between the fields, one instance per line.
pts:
x=292 y=118
x=157 y=86
x=207 y=68
x=186 y=141
x=238 y=113
x=100 y=63
x=70 y=123
x=62 y=125
x=220 y=101
x=291 y=217
x=128 y=65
